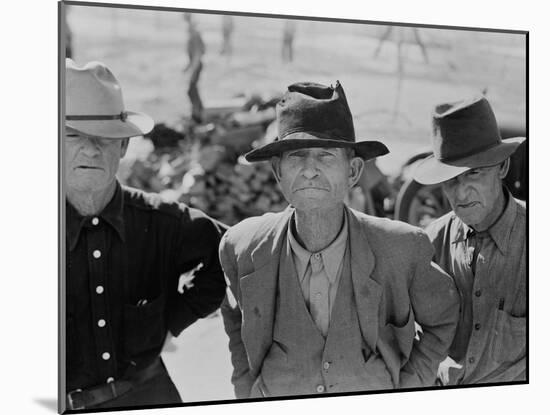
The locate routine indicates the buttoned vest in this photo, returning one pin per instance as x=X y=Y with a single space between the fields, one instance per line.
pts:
x=300 y=360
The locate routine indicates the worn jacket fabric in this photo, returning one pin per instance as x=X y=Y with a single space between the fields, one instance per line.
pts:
x=394 y=285
x=491 y=337
x=301 y=359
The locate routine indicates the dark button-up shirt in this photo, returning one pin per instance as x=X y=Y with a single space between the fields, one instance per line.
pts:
x=490 y=340
x=123 y=285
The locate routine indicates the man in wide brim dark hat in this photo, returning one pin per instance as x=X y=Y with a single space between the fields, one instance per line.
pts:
x=319 y=262
x=481 y=243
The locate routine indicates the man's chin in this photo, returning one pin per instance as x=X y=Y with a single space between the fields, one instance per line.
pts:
x=469 y=219
x=89 y=186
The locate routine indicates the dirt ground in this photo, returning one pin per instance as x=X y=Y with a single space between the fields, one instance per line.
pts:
x=146 y=51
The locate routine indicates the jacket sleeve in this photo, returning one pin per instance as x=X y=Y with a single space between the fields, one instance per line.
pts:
x=232 y=321
x=197 y=254
x=435 y=304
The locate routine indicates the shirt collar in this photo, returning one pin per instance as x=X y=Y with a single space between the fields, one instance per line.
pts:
x=500 y=231
x=331 y=256
x=112 y=214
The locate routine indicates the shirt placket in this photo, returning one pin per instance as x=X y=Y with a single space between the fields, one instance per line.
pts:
x=97 y=259
x=319 y=293
x=479 y=310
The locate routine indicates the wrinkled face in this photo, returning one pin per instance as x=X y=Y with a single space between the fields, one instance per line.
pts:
x=314 y=178
x=476 y=195
x=91 y=163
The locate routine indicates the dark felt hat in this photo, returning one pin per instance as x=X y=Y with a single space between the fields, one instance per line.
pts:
x=314 y=115
x=465 y=136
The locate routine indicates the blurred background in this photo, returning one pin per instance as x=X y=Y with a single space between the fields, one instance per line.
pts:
x=211 y=82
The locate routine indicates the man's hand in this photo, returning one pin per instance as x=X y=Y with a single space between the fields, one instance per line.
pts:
x=443 y=370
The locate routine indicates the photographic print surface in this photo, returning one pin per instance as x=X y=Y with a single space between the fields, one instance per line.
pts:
x=143 y=289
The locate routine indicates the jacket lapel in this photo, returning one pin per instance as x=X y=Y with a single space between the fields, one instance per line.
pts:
x=366 y=290
x=258 y=291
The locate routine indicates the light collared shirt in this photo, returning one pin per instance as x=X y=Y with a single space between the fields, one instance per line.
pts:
x=319 y=274
x=491 y=334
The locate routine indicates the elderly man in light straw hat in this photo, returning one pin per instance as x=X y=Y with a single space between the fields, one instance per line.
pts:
x=324 y=299
x=126 y=251
x=480 y=243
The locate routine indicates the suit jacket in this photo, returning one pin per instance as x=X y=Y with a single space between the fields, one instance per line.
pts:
x=394 y=284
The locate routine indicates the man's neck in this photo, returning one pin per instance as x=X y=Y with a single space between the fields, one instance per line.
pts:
x=91 y=203
x=317 y=229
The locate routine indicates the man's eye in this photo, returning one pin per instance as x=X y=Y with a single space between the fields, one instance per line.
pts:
x=473 y=173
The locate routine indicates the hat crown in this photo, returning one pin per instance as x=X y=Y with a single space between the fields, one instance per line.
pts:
x=316 y=109
x=92 y=90
x=462 y=129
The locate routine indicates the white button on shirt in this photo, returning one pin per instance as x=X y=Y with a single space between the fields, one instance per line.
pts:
x=320 y=388
x=101 y=323
x=106 y=356
x=96 y=253
x=99 y=289
x=95 y=221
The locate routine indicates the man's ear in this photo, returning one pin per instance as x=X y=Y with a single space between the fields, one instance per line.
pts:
x=504 y=167
x=124 y=147
x=356 y=166
x=276 y=168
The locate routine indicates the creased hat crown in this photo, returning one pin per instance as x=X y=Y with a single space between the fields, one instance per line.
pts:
x=320 y=110
x=92 y=90
x=315 y=115
x=94 y=104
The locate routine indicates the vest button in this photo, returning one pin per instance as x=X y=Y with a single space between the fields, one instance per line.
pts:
x=326 y=365
x=320 y=388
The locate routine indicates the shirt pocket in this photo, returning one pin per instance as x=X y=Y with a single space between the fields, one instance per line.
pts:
x=144 y=327
x=509 y=337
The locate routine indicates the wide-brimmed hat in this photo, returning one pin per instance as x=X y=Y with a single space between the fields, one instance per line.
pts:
x=314 y=115
x=94 y=104
x=465 y=136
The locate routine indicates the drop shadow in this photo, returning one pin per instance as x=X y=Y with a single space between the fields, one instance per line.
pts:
x=47 y=403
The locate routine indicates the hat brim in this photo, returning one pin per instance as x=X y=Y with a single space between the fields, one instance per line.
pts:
x=433 y=171
x=364 y=149
x=136 y=124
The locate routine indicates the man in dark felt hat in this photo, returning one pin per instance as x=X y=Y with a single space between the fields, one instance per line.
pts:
x=125 y=253
x=323 y=298
x=480 y=243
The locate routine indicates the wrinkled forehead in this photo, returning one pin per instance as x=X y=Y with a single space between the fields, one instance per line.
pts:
x=71 y=132
x=313 y=150
x=477 y=173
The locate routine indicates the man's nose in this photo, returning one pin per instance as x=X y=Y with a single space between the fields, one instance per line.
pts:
x=90 y=147
x=310 y=168
x=461 y=191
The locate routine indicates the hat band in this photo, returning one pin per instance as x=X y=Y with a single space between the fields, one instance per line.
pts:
x=469 y=154
x=122 y=116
